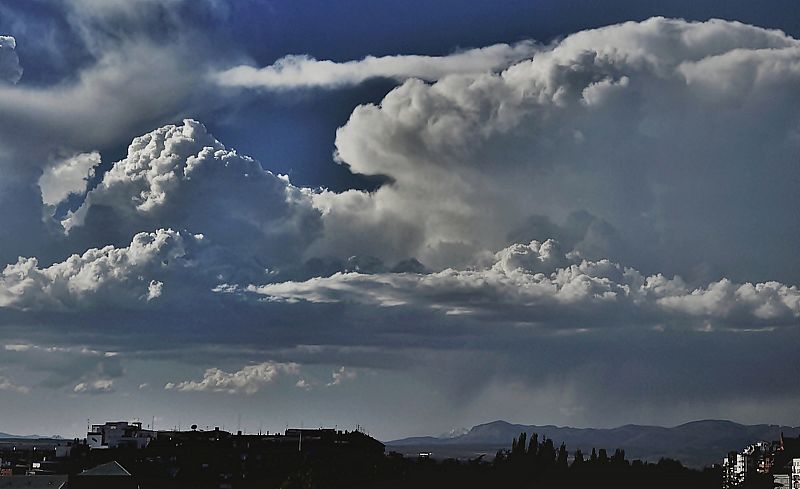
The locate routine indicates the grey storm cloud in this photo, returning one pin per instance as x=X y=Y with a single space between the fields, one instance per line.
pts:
x=7 y=384
x=10 y=69
x=63 y=367
x=133 y=87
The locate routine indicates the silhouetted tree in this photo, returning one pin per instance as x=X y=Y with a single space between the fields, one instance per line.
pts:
x=562 y=459
x=518 y=447
x=533 y=446
x=578 y=460
x=547 y=454
x=618 y=459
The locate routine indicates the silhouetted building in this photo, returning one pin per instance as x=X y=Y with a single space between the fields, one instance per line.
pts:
x=787 y=460
x=780 y=459
x=107 y=476
x=730 y=478
x=119 y=434
x=737 y=467
x=309 y=440
x=782 y=481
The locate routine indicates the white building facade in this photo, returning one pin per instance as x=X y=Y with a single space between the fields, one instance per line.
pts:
x=119 y=434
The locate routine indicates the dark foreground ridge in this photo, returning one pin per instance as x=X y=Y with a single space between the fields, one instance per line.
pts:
x=122 y=455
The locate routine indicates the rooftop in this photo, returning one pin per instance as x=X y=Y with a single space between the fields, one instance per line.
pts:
x=105 y=470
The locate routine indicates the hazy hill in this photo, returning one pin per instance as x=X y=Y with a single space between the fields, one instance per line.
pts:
x=697 y=443
x=24 y=437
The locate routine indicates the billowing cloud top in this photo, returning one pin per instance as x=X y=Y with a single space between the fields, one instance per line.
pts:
x=248 y=380
x=106 y=275
x=183 y=178
x=650 y=127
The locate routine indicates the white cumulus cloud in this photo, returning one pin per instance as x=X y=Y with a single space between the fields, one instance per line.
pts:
x=181 y=177
x=342 y=375
x=100 y=274
x=249 y=380
x=301 y=71
x=539 y=283
x=99 y=386
x=67 y=177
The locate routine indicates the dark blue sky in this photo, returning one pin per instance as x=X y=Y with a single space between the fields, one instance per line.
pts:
x=351 y=29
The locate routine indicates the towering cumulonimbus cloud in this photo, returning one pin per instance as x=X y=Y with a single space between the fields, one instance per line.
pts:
x=677 y=136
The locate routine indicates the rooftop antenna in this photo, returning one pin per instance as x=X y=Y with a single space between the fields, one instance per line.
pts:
x=300 y=447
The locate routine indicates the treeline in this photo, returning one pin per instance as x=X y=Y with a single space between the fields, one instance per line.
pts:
x=529 y=464
x=533 y=463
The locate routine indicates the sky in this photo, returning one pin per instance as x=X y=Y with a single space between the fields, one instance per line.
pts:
x=408 y=216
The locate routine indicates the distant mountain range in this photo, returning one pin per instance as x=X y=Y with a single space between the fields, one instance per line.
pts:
x=25 y=437
x=696 y=444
